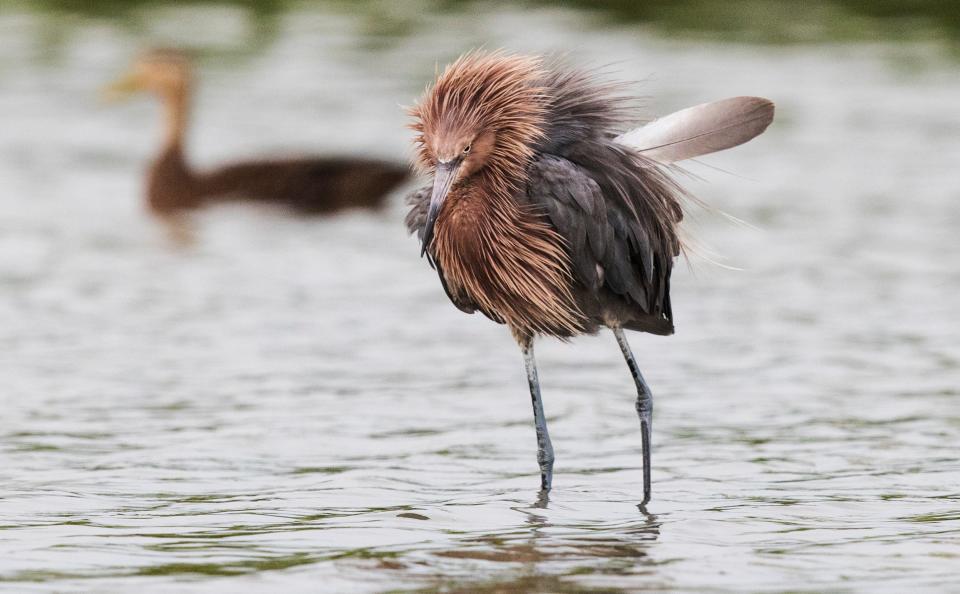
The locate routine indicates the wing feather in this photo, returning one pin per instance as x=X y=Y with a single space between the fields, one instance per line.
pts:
x=609 y=247
x=701 y=129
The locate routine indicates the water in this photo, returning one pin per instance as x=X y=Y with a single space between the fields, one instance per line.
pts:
x=294 y=406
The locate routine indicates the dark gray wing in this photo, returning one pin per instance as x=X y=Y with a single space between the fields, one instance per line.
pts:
x=610 y=247
x=419 y=202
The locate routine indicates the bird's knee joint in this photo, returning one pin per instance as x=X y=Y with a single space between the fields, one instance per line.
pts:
x=644 y=405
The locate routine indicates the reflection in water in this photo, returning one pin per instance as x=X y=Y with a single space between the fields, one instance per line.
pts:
x=526 y=553
x=283 y=405
x=180 y=229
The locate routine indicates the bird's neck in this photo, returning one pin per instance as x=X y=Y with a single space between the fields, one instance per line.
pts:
x=176 y=108
x=506 y=259
x=171 y=184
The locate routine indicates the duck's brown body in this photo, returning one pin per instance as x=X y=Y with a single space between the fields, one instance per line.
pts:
x=305 y=185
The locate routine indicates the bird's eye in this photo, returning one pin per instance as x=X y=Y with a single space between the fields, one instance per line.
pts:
x=467 y=148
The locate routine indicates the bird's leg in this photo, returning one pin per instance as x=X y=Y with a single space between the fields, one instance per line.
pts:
x=644 y=408
x=544 y=447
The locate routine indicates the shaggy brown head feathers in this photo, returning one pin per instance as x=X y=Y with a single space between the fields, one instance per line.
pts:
x=489 y=103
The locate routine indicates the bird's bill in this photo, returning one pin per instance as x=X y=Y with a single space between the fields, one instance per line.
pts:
x=443 y=178
x=122 y=88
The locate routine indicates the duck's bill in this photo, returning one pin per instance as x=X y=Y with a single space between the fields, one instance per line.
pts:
x=121 y=88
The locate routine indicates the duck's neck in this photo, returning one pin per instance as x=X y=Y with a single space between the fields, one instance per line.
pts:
x=171 y=183
x=176 y=107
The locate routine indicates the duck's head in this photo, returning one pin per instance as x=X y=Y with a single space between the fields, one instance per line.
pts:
x=163 y=72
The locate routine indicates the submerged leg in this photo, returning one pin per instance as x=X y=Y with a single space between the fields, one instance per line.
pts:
x=544 y=447
x=644 y=408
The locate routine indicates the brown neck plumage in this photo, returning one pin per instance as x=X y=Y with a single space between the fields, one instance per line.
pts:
x=493 y=251
x=176 y=108
x=171 y=184
x=506 y=259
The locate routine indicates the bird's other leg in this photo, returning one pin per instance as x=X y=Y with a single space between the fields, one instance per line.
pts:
x=644 y=408
x=544 y=447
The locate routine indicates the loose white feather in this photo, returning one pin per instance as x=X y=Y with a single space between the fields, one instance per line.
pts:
x=701 y=129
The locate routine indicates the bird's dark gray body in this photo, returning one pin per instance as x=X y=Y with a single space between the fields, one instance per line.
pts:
x=617 y=211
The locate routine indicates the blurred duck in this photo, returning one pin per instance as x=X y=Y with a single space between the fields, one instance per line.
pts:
x=306 y=185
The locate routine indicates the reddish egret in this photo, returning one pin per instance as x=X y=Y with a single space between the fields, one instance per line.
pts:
x=306 y=185
x=543 y=217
